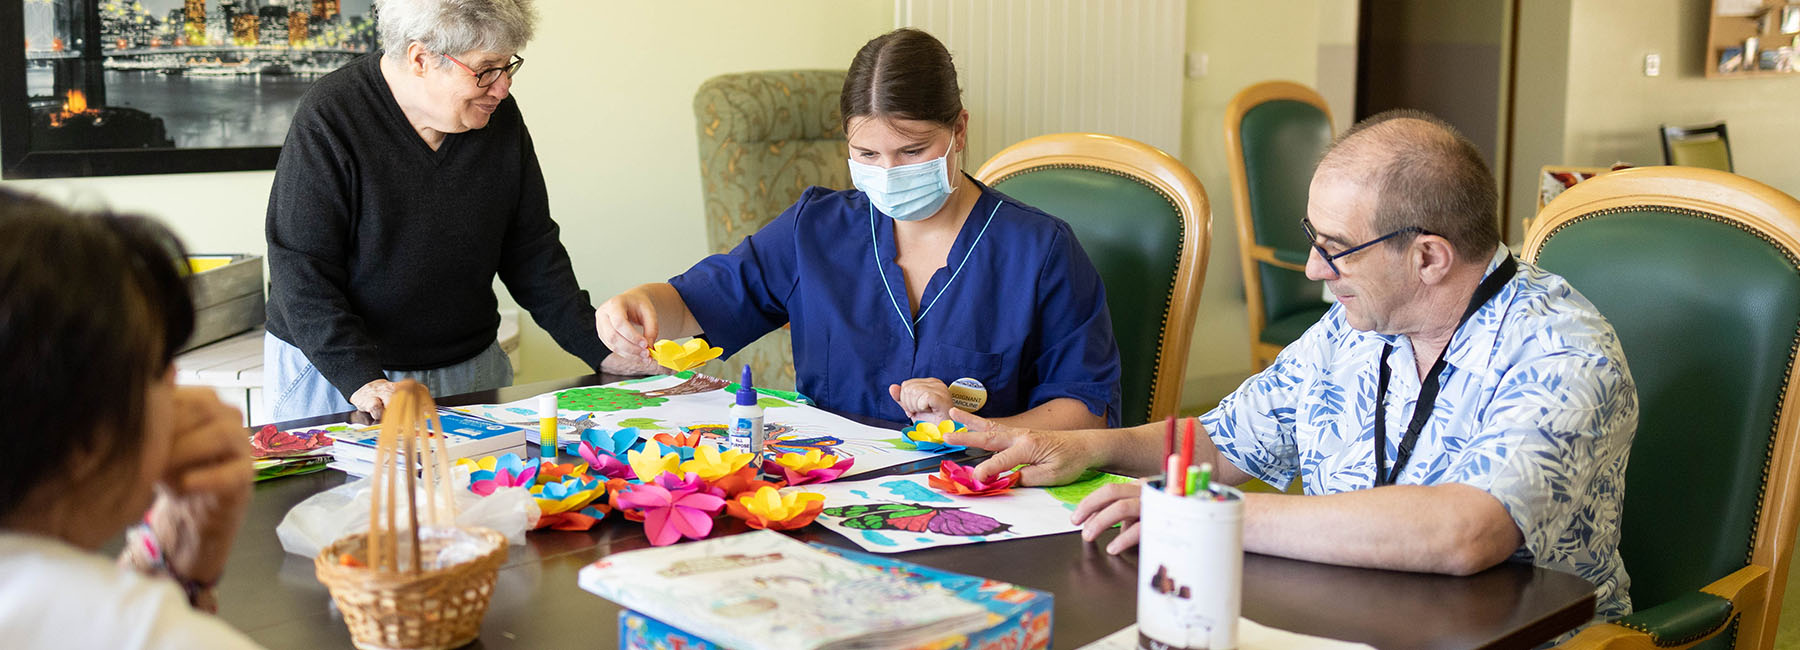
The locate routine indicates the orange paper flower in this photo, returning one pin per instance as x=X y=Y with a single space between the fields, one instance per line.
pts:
x=960 y=480
x=769 y=509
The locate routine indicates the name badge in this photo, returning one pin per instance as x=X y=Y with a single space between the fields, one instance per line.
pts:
x=968 y=394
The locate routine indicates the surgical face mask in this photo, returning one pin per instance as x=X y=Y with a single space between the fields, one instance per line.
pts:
x=908 y=192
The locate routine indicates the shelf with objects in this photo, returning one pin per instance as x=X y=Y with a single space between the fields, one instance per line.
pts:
x=1753 y=38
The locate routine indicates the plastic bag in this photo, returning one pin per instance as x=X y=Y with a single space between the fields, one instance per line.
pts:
x=322 y=518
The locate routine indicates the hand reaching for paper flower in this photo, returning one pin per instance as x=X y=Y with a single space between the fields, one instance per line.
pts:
x=625 y=364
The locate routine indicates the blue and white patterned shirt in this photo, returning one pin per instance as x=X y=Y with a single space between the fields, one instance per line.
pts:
x=1537 y=408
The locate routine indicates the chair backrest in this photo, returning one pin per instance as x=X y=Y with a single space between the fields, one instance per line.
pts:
x=1699 y=273
x=1708 y=147
x=1275 y=133
x=1144 y=220
x=764 y=138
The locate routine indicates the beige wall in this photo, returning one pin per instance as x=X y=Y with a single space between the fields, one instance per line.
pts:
x=1610 y=111
x=608 y=95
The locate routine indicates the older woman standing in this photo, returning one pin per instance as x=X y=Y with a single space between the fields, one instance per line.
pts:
x=407 y=182
x=98 y=435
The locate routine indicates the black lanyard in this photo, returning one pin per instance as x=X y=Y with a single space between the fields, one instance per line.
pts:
x=1428 y=387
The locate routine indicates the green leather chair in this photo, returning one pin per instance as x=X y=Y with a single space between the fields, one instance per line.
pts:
x=1144 y=220
x=1275 y=133
x=1699 y=273
x=1697 y=146
x=764 y=138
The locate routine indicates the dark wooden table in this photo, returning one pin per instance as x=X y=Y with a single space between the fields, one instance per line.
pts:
x=275 y=598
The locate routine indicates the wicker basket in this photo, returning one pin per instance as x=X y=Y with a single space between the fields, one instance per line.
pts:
x=392 y=599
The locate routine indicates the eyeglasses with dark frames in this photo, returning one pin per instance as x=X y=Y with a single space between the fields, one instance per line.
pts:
x=1312 y=236
x=487 y=77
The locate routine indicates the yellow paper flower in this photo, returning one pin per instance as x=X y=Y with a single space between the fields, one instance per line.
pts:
x=933 y=432
x=801 y=464
x=772 y=505
x=684 y=356
x=712 y=463
x=651 y=462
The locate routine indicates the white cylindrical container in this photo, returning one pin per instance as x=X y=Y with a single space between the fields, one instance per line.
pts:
x=746 y=431
x=1190 y=569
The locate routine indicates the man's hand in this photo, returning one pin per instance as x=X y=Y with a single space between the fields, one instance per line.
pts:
x=1113 y=503
x=201 y=498
x=627 y=323
x=925 y=399
x=1049 y=457
x=626 y=364
x=372 y=398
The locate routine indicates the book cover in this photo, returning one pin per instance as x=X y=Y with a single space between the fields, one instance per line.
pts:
x=1018 y=618
x=765 y=591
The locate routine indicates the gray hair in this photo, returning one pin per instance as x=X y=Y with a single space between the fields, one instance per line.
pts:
x=455 y=26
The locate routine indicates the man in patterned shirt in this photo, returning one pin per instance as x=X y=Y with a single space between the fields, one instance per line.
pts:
x=1527 y=418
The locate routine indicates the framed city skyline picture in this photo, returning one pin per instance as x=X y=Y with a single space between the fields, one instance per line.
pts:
x=116 y=87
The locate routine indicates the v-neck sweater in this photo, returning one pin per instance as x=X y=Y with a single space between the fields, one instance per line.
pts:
x=383 y=252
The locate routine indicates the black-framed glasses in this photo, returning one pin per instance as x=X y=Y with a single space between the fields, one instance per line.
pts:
x=487 y=77
x=1312 y=236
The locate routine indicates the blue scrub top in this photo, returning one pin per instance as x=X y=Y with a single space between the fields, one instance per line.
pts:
x=1018 y=307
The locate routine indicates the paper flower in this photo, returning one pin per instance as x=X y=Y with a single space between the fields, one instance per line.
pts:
x=929 y=437
x=569 y=504
x=769 y=509
x=680 y=443
x=713 y=463
x=549 y=472
x=601 y=441
x=602 y=452
x=684 y=356
x=495 y=472
x=672 y=515
x=960 y=480
x=650 y=462
x=685 y=482
x=812 y=467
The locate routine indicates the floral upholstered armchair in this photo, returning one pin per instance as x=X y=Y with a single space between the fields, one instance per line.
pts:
x=764 y=138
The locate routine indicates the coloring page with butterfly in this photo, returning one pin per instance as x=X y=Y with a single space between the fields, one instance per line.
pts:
x=894 y=514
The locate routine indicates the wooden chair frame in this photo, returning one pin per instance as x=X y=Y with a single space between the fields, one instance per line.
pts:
x=1177 y=184
x=1249 y=253
x=1757 y=589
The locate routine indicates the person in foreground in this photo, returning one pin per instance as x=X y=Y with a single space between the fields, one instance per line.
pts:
x=407 y=182
x=99 y=439
x=1456 y=408
x=917 y=278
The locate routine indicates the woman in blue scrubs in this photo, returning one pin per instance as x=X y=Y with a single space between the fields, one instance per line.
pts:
x=916 y=279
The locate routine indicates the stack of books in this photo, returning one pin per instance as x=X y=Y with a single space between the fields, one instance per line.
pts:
x=763 y=590
x=466 y=436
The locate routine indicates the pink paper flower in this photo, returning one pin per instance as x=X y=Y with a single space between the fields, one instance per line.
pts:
x=672 y=515
x=812 y=467
x=960 y=480
x=603 y=464
x=494 y=472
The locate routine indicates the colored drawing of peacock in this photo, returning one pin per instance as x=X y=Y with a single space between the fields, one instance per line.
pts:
x=918 y=518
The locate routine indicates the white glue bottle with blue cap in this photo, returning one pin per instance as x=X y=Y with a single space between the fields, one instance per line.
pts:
x=746 y=433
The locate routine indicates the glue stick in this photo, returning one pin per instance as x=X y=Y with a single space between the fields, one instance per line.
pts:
x=547 y=428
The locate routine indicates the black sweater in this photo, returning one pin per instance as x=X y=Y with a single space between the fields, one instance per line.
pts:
x=382 y=252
